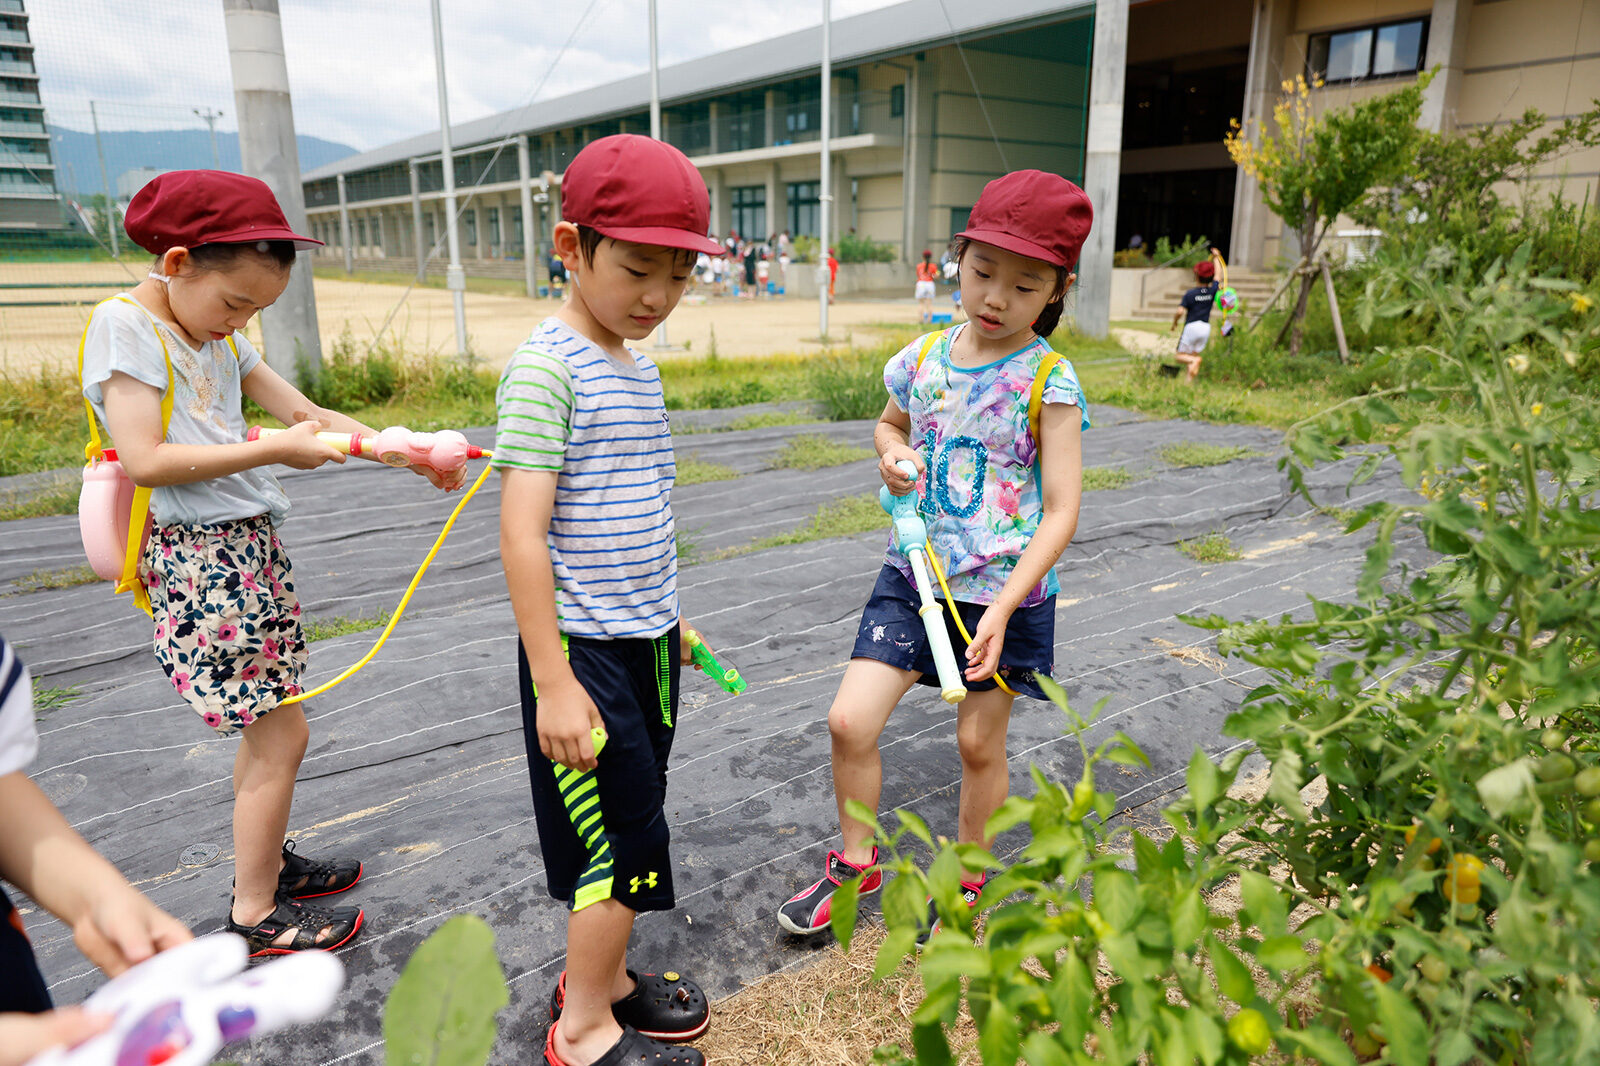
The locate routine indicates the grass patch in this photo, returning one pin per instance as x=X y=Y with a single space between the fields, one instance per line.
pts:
x=1106 y=477
x=836 y=518
x=66 y=578
x=693 y=470
x=813 y=451
x=1211 y=548
x=762 y=420
x=1190 y=453
x=56 y=499
x=41 y=426
x=47 y=699
x=337 y=626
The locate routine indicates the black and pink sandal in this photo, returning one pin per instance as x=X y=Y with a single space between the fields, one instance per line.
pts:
x=303 y=878
x=315 y=929
x=633 y=1049
x=666 y=1007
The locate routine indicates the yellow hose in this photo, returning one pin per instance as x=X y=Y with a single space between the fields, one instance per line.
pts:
x=950 y=601
x=400 y=610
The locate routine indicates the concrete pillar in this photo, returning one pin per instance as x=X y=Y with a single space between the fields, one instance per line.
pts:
x=344 y=231
x=1263 y=76
x=917 y=185
x=418 y=241
x=720 y=204
x=503 y=225
x=382 y=237
x=1447 y=50
x=1102 y=169
x=716 y=133
x=844 y=199
x=774 y=200
x=775 y=128
x=530 y=239
x=268 y=150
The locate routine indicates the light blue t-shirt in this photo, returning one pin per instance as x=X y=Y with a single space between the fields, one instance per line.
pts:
x=207 y=408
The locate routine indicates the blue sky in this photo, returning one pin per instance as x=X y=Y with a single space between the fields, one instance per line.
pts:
x=362 y=71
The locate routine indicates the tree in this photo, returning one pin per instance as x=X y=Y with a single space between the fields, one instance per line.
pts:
x=1312 y=168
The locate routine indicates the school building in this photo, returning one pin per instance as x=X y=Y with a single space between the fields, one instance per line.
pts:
x=930 y=99
x=28 y=199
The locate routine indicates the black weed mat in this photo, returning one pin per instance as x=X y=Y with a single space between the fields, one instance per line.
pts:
x=417 y=767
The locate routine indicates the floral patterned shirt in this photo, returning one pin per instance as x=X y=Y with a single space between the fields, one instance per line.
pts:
x=981 y=496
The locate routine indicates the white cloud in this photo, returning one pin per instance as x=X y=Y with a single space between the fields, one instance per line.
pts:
x=362 y=71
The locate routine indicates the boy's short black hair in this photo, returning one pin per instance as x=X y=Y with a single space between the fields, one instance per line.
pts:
x=589 y=239
x=1050 y=317
x=219 y=256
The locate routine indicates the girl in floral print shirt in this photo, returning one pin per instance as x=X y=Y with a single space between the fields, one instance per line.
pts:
x=999 y=508
x=227 y=626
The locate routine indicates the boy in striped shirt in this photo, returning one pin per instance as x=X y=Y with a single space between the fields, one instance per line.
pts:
x=587 y=541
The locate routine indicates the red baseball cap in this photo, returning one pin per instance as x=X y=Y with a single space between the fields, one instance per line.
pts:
x=186 y=208
x=632 y=188
x=1032 y=213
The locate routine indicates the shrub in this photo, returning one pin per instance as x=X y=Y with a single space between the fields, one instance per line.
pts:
x=850 y=248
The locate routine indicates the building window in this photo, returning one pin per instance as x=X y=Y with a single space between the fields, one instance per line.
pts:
x=748 y=217
x=805 y=204
x=897 y=101
x=469 y=226
x=1383 y=51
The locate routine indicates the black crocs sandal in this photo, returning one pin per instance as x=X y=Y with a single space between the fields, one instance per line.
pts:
x=303 y=878
x=315 y=929
x=666 y=1007
x=633 y=1049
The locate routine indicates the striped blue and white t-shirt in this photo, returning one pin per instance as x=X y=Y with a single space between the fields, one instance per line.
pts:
x=567 y=406
x=19 y=742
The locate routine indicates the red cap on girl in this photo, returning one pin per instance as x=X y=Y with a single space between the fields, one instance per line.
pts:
x=188 y=208
x=1032 y=213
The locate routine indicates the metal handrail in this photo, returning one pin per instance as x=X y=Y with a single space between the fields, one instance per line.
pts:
x=1162 y=266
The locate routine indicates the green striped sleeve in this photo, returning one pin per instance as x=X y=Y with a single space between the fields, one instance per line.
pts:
x=534 y=409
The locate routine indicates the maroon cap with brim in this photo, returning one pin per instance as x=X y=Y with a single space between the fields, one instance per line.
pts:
x=1034 y=214
x=188 y=208
x=632 y=188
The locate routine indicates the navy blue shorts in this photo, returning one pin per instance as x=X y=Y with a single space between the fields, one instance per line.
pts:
x=892 y=632
x=604 y=833
x=22 y=986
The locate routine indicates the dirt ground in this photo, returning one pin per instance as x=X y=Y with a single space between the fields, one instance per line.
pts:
x=31 y=337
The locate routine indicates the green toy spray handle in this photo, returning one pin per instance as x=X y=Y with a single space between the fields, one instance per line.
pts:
x=725 y=675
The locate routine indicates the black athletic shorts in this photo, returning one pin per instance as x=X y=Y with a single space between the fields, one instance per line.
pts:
x=22 y=986
x=604 y=833
x=892 y=632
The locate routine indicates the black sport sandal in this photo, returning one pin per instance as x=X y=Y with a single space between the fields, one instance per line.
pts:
x=303 y=878
x=315 y=929
x=633 y=1048
x=666 y=1007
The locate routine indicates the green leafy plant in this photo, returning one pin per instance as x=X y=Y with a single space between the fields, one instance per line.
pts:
x=850 y=385
x=850 y=248
x=442 y=1009
x=1098 y=944
x=1106 y=477
x=1452 y=707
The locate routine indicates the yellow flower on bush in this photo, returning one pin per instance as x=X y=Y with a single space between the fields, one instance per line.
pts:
x=1518 y=363
x=1580 y=302
x=1536 y=410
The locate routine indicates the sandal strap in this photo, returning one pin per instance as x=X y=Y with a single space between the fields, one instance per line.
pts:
x=307 y=923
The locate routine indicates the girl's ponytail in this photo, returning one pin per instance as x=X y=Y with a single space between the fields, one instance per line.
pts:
x=1050 y=317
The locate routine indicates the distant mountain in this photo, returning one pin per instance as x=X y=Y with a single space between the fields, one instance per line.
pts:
x=78 y=165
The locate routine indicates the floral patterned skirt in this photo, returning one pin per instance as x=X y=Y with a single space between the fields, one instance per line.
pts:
x=227 y=622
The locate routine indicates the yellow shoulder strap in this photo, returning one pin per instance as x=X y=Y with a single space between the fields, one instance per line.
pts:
x=139 y=515
x=927 y=346
x=1036 y=396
